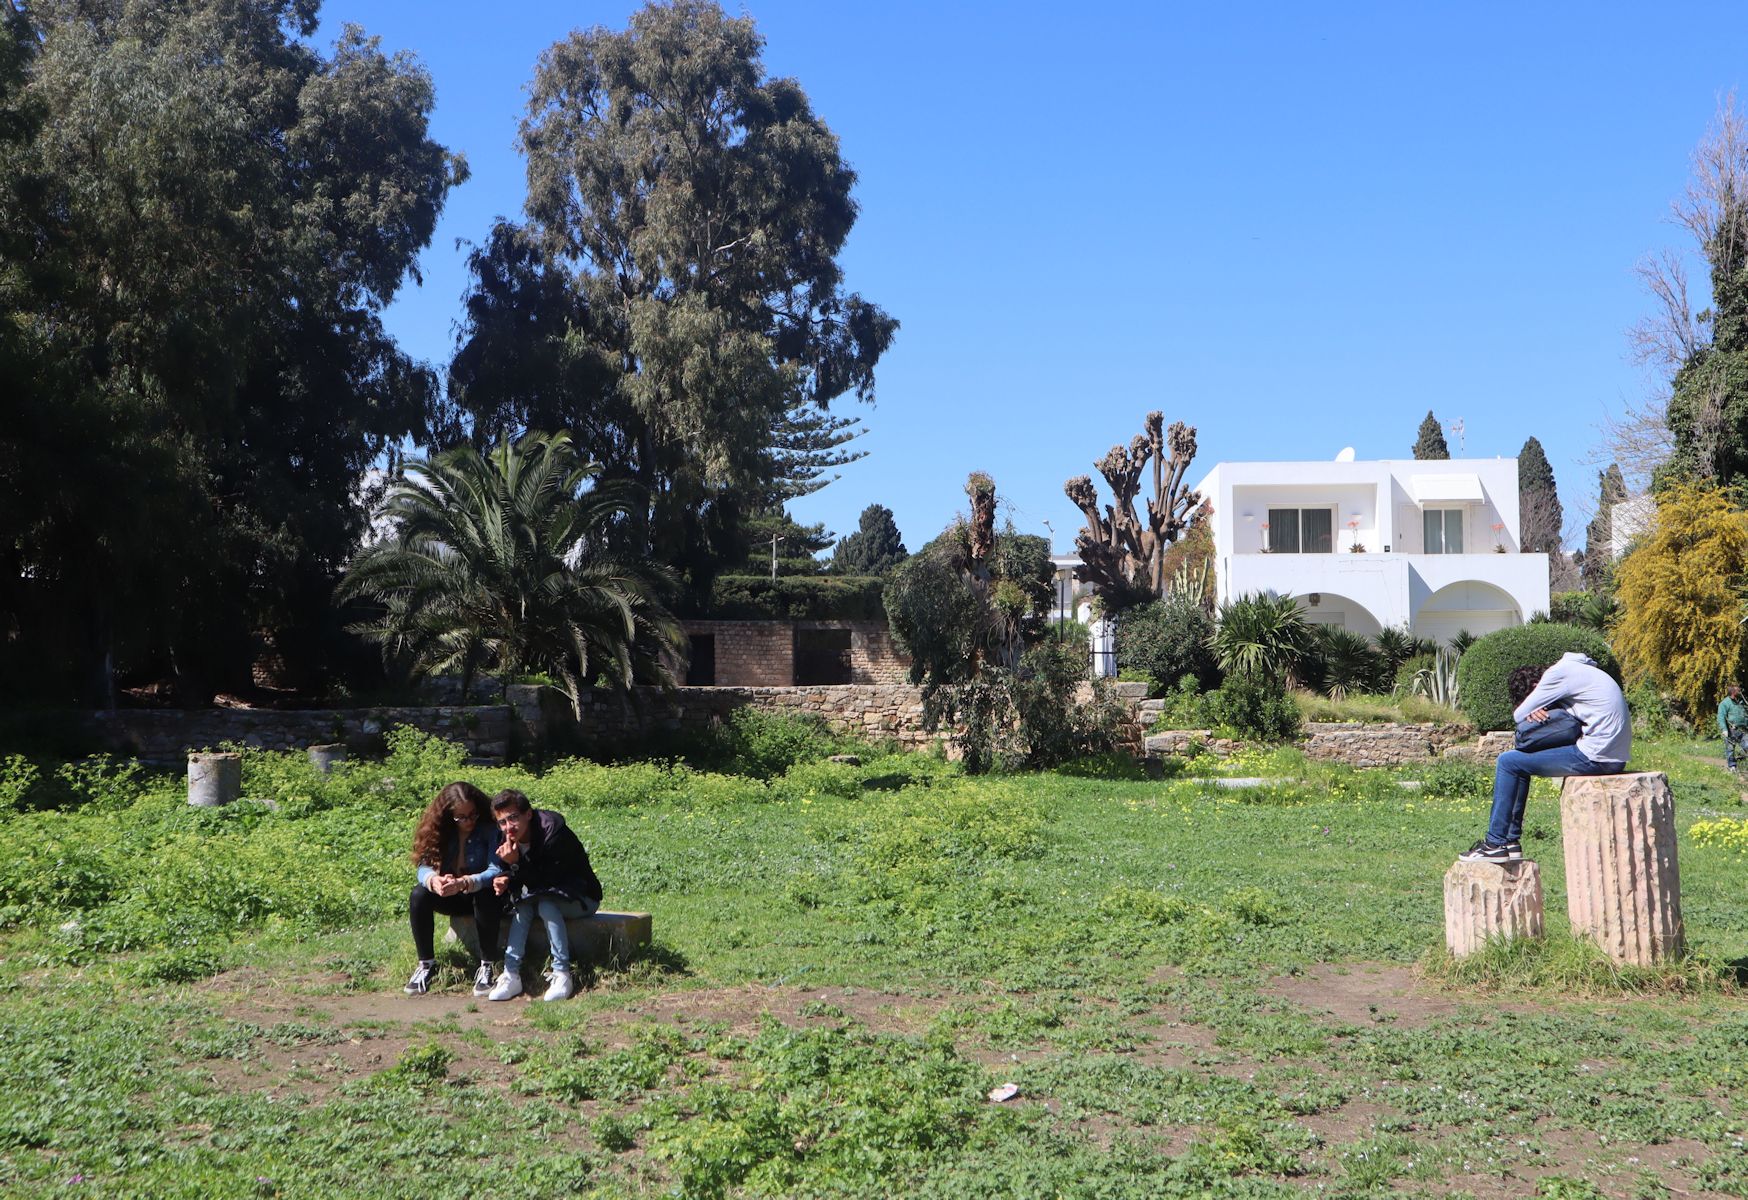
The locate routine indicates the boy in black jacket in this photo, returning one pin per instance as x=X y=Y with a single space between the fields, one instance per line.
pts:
x=546 y=874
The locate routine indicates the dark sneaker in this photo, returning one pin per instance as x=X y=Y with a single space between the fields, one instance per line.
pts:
x=482 y=980
x=1482 y=852
x=420 y=983
x=1514 y=851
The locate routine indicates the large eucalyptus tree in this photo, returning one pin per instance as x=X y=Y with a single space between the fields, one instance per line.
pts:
x=680 y=268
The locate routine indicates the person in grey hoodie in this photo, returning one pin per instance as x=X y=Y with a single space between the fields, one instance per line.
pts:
x=1577 y=684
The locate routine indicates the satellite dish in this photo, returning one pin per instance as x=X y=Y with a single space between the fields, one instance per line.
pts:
x=1346 y=454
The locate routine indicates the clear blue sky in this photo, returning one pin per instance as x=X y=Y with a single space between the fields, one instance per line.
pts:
x=1297 y=227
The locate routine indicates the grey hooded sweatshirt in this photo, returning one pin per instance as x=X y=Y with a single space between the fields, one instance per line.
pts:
x=1577 y=684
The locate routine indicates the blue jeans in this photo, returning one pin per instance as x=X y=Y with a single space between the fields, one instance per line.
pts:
x=1511 y=784
x=554 y=911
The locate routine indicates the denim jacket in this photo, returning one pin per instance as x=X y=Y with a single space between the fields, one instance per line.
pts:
x=482 y=866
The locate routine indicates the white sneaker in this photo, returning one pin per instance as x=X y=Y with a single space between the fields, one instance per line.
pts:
x=509 y=985
x=562 y=987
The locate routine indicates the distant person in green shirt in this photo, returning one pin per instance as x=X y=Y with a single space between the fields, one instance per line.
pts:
x=1732 y=723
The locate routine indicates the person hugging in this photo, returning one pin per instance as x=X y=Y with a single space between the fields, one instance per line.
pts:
x=546 y=874
x=452 y=849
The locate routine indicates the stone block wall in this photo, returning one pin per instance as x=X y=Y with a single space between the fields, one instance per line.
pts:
x=750 y=653
x=168 y=734
x=1372 y=745
x=762 y=653
x=872 y=711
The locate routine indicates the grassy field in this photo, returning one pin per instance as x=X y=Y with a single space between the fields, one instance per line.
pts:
x=1196 y=990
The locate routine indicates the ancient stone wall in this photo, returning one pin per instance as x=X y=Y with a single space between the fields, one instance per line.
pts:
x=168 y=734
x=763 y=654
x=873 y=711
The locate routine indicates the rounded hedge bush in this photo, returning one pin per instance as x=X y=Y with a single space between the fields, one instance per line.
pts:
x=1166 y=640
x=1485 y=666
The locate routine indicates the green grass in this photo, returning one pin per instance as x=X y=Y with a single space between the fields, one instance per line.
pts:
x=1198 y=991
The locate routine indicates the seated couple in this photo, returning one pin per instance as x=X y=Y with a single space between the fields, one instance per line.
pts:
x=476 y=856
x=1574 y=685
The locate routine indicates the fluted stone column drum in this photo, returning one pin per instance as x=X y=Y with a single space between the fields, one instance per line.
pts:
x=1623 y=887
x=214 y=779
x=1491 y=900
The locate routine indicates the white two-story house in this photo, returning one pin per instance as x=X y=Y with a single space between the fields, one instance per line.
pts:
x=1427 y=544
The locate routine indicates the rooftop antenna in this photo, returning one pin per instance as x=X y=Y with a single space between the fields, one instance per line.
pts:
x=1456 y=427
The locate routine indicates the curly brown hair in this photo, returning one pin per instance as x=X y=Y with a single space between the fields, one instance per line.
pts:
x=439 y=820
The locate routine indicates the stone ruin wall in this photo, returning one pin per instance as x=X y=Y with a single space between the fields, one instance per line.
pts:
x=536 y=718
x=168 y=734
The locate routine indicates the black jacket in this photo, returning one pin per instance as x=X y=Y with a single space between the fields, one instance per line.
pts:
x=552 y=863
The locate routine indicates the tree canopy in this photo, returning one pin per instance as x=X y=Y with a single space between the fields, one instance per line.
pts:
x=1599 y=548
x=678 y=279
x=1681 y=596
x=1430 y=441
x=875 y=548
x=201 y=219
x=1539 y=515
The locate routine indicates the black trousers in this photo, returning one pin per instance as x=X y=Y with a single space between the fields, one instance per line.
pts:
x=484 y=906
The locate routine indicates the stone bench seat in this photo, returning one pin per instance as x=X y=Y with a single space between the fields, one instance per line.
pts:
x=605 y=939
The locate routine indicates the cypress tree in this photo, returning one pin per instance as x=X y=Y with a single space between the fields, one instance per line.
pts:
x=1539 y=515
x=1431 y=442
x=1598 y=553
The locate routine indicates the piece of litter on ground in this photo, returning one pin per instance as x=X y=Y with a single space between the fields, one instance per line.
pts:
x=1006 y=1091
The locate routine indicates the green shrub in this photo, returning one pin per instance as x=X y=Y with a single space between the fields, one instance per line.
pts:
x=1166 y=640
x=1053 y=726
x=797 y=598
x=1341 y=662
x=1188 y=707
x=1253 y=708
x=1455 y=779
x=17 y=776
x=1650 y=710
x=1485 y=667
x=1404 y=684
x=764 y=744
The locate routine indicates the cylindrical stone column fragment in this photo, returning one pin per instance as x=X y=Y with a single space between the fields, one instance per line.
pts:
x=1623 y=889
x=214 y=779
x=1497 y=900
x=327 y=756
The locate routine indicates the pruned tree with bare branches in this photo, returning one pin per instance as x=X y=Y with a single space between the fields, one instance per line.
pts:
x=1120 y=553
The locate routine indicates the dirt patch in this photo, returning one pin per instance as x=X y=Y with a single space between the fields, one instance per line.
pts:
x=742 y=1009
x=1363 y=994
x=369 y=1031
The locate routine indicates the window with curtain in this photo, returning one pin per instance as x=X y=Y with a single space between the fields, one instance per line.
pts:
x=1444 y=530
x=1301 y=531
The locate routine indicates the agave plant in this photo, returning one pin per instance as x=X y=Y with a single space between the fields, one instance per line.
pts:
x=1438 y=682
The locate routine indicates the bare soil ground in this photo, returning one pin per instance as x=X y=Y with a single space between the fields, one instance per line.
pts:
x=369 y=1031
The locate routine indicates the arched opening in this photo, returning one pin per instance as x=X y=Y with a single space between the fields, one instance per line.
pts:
x=1343 y=612
x=1470 y=606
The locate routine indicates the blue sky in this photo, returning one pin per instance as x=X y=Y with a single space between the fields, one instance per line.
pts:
x=1297 y=227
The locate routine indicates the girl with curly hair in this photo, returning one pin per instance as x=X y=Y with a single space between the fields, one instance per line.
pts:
x=452 y=849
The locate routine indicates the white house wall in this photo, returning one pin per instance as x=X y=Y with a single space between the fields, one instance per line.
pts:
x=1401 y=585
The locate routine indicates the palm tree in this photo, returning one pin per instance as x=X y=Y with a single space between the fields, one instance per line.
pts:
x=1264 y=636
x=500 y=559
